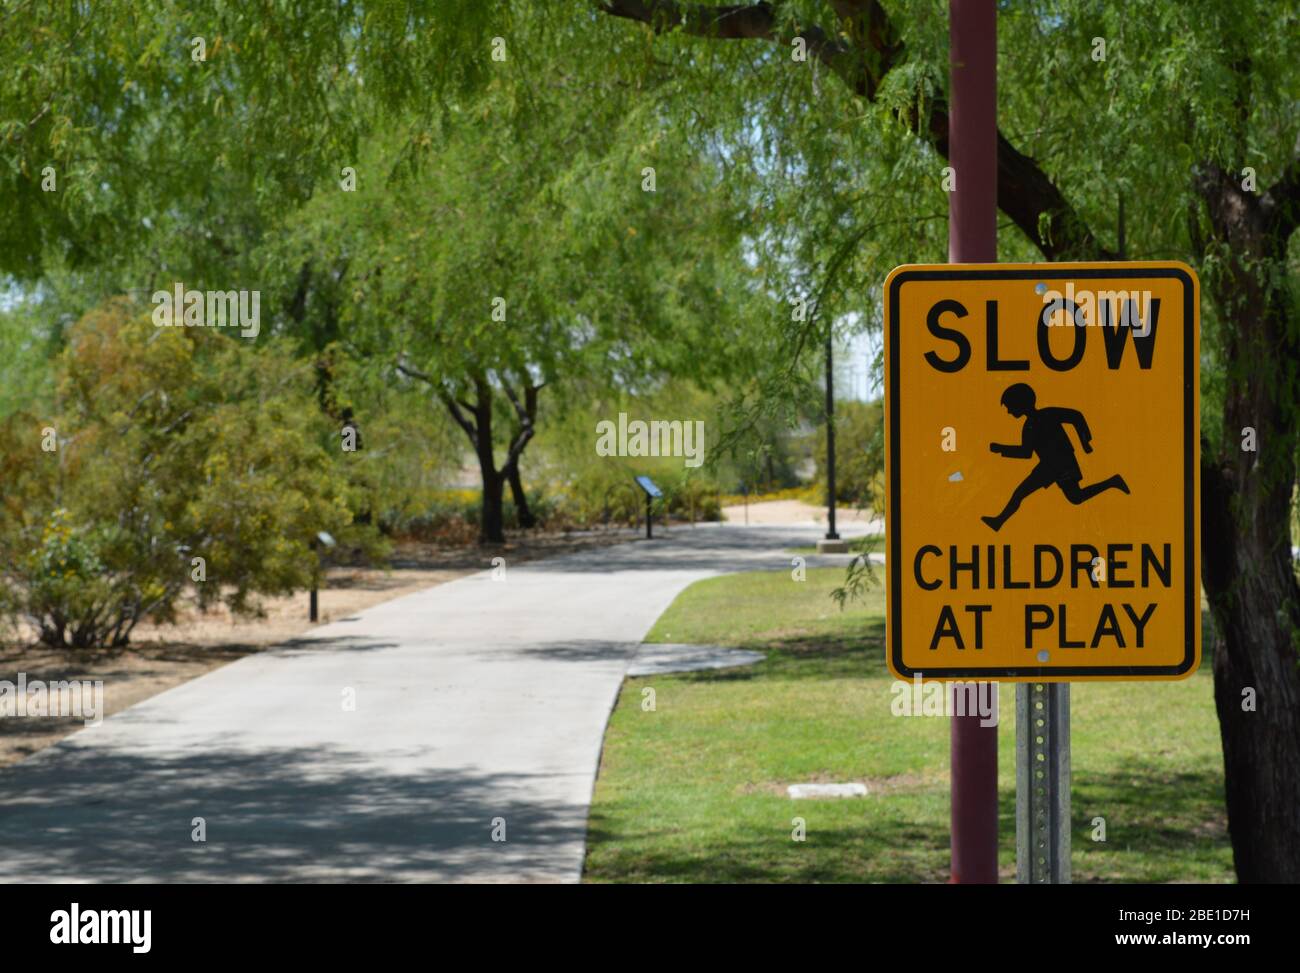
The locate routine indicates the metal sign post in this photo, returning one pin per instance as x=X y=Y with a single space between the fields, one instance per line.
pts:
x=1043 y=783
x=973 y=238
x=651 y=491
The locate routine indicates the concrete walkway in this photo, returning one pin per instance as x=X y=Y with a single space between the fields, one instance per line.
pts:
x=476 y=700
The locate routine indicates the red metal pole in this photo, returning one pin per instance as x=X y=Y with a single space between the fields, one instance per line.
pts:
x=972 y=238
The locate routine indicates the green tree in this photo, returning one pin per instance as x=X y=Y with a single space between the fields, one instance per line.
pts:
x=859 y=453
x=499 y=265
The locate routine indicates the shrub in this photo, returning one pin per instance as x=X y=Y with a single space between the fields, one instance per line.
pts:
x=183 y=460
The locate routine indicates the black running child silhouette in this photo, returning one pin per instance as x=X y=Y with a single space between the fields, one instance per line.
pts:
x=1044 y=435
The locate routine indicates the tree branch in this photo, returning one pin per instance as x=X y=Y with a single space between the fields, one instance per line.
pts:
x=410 y=372
x=1235 y=214
x=1025 y=193
x=527 y=413
x=860 y=62
x=453 y=405
x=729 y=22
x=471 y=430
x=526 y=410
x=518 y=442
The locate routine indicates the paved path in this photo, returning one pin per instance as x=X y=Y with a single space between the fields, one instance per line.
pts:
x=475 y=700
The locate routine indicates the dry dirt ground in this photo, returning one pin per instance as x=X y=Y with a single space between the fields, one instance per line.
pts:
x=159 y=658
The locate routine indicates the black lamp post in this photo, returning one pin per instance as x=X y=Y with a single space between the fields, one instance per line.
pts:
x=831 y=535
x=322 y=538
x=831 y=544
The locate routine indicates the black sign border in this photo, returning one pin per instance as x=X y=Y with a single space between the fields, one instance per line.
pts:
x=1191 y=599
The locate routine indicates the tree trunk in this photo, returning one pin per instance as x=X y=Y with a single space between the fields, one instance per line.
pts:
x=492 y=521
x=526 y=518
x=475 y=418
x=1250 y=581
x=1253 y=595
x=1247 y=565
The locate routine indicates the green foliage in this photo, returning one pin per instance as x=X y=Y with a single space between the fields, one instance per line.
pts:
x=820 y=171
x=859 y=454
x=519 y=178
x=172 y=444
x=553 y=231
x=588 y=488
x=407 y=448
x=25 y=376
x=69 y=594
x=111 y=99
x=453 y=516
x=480 y=258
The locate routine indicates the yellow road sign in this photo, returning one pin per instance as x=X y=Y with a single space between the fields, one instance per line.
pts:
x=1043 y=470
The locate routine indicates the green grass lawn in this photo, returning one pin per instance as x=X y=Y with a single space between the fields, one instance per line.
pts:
x=694 y=790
